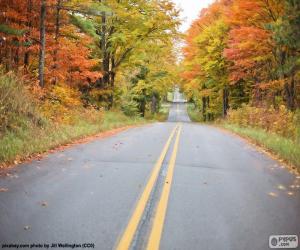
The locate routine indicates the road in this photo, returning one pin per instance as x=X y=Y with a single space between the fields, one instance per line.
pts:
x=173 y=185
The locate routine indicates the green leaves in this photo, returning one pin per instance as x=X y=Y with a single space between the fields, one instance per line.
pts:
x=11 y=31
x=85 y=25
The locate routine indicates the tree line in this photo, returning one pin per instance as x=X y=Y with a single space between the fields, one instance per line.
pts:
x=242 y=52
x=112 y=52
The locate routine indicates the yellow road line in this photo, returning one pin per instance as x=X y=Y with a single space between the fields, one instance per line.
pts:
x=157 y=227
x=129 y=232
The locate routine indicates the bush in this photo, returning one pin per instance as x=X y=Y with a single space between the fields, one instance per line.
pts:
x=280 y=121
x=194 y=113
x=130 y=108
x=61 y=103
x=16 y=106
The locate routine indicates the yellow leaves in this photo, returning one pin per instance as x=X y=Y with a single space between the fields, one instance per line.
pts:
x=62 y=103
x=281 y=187
x=280 y=121
x=67 y=96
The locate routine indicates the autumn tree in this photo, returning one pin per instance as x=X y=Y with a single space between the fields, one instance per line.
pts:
x=250 y=49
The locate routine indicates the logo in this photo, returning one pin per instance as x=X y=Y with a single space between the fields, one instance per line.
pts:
x=283 y=241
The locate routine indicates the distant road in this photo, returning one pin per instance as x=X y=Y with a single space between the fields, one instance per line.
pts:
x=173 y=185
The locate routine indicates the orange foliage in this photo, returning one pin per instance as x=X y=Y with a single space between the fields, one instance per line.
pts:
x=67 y=53
x=249 y=50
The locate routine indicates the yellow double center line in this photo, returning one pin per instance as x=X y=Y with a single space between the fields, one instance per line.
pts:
x=158 y=222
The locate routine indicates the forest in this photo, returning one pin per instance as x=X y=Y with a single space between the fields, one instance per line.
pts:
x=241 y=61
x=69 y=66
x=241 y=68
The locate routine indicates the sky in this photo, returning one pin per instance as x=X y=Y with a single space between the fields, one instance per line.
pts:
x=191 y=10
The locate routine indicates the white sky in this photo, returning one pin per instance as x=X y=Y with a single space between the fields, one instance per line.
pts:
x=191 y=10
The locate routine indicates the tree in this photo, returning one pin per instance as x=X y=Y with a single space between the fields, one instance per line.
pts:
x=42 y=43
x=241 y=51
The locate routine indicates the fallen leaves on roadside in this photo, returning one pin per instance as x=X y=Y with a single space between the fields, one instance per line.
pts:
x=281 y=187
x=39 y=157
x=26 y=227
x=3 y=189
x=44 y=204
x=12 y=175
x=272 y=194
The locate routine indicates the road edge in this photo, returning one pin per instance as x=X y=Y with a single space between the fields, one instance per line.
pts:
x=85 y=139
x=260 y=148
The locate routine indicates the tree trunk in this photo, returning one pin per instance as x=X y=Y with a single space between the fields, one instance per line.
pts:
x=57 y=24
x=208 y=103
x=143 y=107
x=225 y=102
x=153 y=104
x=290 y=92
x=29 y=25
x=105 y=54
x=57 y=29
x=204 y=108
x=42 y=43
x=112 y=74
x=142 y=103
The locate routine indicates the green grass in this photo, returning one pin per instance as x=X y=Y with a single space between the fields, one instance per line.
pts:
x=26 y=141
x=286 y=149
x=194 y=113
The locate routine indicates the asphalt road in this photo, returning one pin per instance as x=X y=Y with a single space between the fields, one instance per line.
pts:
x=212 y=191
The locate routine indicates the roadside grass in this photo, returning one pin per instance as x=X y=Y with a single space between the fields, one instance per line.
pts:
x=194 y=113
x=29 y=126
x=19 y=144
x=284 y=148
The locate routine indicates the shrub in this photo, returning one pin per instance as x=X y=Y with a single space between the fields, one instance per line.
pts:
x=16 y=106
x=280 y=121
x=130 y=108
x=60 y=104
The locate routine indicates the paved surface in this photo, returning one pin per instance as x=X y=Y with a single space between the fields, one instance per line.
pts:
x=178 y=113
x=224 y=193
